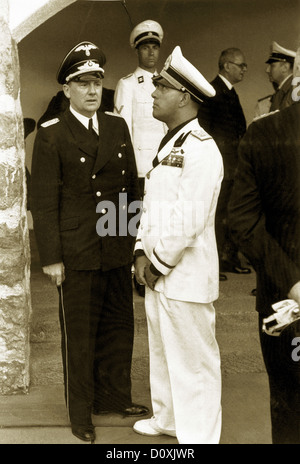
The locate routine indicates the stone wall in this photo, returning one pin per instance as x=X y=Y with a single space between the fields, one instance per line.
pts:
x=15 y=304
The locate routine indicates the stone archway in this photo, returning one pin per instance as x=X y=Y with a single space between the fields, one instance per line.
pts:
x=15 y=299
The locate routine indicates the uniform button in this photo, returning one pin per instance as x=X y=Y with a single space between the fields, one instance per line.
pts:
x=148 y=176
x=144 y=210
x=123 y=207
x=82 y=160
x=123 y=172
x=94 y=176
x=123 y=189
x=98 y=194
x=103 y=211
x=120 y=155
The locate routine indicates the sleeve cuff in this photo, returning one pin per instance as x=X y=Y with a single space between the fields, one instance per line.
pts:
x=155 y=271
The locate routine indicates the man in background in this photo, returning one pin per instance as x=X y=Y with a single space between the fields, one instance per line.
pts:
x=280 y=71
x=133 y=101
x=223 y=118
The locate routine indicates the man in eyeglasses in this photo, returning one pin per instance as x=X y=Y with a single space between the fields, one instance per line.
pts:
x=223 y=118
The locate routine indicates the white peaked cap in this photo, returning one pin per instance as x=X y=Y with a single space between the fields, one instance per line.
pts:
x=182 y=75
x=278 y=53
x=146 y=31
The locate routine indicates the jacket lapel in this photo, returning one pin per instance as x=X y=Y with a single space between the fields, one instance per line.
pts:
x=80 y=134
x=165 y=151
x=105 y=142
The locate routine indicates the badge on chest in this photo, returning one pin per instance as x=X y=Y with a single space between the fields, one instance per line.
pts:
x=174 y=159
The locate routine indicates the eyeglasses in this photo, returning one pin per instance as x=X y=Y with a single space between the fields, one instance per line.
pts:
x=240 y=65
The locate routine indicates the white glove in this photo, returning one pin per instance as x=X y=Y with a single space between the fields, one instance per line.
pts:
x=286 y=312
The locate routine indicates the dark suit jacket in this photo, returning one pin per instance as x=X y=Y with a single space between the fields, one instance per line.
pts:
x=265 y=204
x=71 y=174
x=223 y=118
x=282 y=98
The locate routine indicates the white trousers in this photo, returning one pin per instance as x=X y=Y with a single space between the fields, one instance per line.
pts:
x=185 y=373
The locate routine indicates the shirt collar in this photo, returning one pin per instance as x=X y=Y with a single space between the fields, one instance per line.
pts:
x=170 y=134
x=228 y=84
x=284 y=81
x=85 y=121
x=145 y=72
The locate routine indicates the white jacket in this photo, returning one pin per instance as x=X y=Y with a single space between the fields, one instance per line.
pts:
x=133 y=101
x=177 y=230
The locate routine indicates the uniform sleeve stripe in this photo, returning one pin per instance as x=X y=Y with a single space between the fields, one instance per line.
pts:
x=162 y=262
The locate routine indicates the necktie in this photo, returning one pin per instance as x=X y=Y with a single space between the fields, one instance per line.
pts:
x=91 y=125
x=91 y=130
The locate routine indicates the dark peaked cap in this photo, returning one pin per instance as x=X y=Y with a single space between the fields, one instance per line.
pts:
x=84 y=58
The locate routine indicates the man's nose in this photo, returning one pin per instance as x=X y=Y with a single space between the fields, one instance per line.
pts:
x=92 y=87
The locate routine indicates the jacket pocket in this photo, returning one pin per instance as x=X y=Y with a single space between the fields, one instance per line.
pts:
x=69 y=224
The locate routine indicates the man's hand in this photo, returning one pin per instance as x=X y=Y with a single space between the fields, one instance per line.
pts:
x=150 y=278
x=56 y=272
x=294 y=293
x=140 y=265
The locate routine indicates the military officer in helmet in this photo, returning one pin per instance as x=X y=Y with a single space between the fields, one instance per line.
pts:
x=79 y=159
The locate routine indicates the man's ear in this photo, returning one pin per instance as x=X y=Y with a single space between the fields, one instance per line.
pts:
x=185 y=99
x=66 y=90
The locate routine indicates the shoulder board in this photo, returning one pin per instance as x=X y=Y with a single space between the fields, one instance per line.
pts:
x=265 y=115
x=110 y=113
x=201 y=135
x=51 y=122
x=264 y=98
x=126 y=77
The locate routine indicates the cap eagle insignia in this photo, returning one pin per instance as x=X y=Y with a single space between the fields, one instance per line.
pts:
x=86 y=48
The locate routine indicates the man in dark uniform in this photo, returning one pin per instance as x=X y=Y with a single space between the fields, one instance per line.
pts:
x=280 y=71
x=223 y=118
x=264 y=216
x=81 y=158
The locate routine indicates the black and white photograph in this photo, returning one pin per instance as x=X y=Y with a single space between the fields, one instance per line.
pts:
x=150 y=225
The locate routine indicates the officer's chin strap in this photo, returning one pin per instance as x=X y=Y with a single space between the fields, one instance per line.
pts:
x=286 y=312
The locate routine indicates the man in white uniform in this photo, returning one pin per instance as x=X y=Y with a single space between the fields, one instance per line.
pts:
x=133 y=100
x=176 y=258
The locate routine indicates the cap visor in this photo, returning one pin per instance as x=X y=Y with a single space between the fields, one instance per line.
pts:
x=161 y=80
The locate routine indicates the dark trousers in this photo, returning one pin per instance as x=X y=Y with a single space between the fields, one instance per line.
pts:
x=284 y=382
x=96 y=316
x=226 y=247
